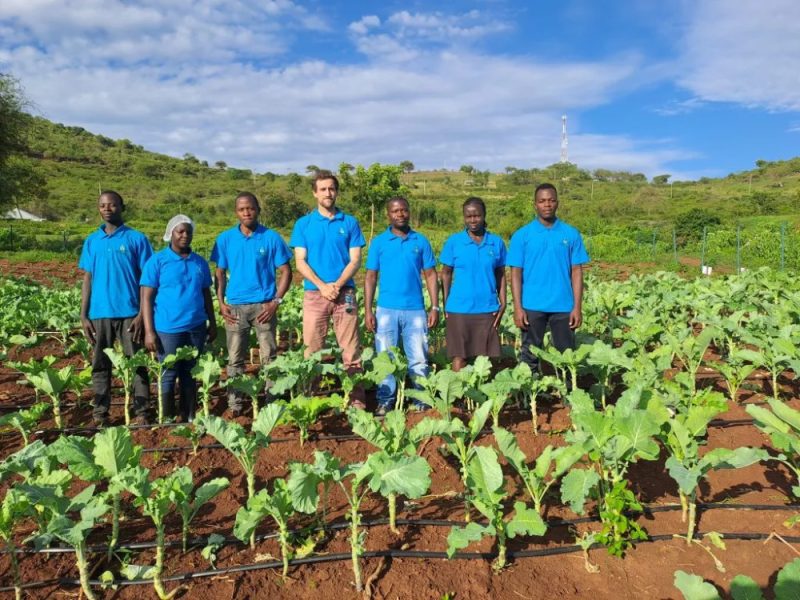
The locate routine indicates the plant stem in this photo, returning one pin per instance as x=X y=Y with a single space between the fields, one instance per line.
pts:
x=112 y=544
x=534 y=416
x=501 y=548
x=83 y=570
x=57 y=410
x=283 y=536
x=692 y=514
x=159 y=568
x=11 y=549
x=684 y=506
x=160 y=396
x=354 y=543
x=393 y=513
x=127 y=405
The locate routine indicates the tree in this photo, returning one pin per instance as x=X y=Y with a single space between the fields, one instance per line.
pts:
x=661 y=179
x=312 y=169
x=18 y=180
x=466 y=169
x=371 y=187
x=221 y=165
x=407 y=166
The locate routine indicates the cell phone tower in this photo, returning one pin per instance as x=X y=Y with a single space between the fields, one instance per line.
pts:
x=564 y=141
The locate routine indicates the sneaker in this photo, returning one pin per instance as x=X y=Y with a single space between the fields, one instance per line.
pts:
x=100 y=420
x=235 y=412
x=382 y=410
x=420 y=407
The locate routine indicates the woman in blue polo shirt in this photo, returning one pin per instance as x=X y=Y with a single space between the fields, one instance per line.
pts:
x=474 y=286
x=176 y=304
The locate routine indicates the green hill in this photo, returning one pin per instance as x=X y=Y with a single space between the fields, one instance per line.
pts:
x=624 y=216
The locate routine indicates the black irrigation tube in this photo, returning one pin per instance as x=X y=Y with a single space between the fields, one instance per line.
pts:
x=196 y=541
x=347 y=556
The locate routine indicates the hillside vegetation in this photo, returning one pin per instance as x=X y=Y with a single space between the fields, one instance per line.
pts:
x=622 y=212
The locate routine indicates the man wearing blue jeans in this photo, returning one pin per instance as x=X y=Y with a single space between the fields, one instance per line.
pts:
x=546 y=257
x=394 y=262
x=247 y=257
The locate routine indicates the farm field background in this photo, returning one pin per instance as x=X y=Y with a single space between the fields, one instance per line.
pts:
x=658 y=349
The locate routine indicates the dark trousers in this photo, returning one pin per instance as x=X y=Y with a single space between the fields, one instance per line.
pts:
x=180 y=371
x=107 y=331
x=563 y=336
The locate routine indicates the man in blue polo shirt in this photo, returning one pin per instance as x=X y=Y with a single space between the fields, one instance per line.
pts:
x=112 y=260
x=395 y=260
x=327 y=250
x=546 y=258
x=250 y=296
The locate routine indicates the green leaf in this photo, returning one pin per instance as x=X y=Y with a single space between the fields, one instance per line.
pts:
x=694 y=588
x=526 y=521
x=405 y=475
x=787 y=587
x=687 y=478
x=267 y=419
x=485 y=474
x=208 y=490
x=134 y=572
x=576 y=486
x=114 y=450
x=744 y=588
x=507 y=442
x=478 y=420
x=430 y=427
x=76 y=452
x=303 y=487
x=461 y=537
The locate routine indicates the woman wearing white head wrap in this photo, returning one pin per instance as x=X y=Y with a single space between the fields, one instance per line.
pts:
x=176 y=304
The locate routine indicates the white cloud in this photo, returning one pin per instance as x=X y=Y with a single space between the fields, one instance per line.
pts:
x=216 y=79
x=746 y=52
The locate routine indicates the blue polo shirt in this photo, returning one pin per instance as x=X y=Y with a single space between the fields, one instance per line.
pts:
x=251 y=262
x=327 y=243
x=115 y=263
x=474 y=287
x=179 y=283
x=546 y=256
x=398 y=262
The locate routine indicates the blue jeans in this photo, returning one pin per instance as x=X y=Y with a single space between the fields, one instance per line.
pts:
x=412 y=327
x=182 y=371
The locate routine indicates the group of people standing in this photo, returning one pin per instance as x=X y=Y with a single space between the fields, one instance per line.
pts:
x=163 y=300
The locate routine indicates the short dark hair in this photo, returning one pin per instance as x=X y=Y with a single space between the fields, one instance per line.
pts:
x=320 y=175
x=116 y=195
x=397 y=199
x=474 y=200
x=545 y=186
x=250 y=196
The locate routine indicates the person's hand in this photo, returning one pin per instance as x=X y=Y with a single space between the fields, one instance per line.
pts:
x=268 y=310
x=227 y=314
x=370 y=321
x=498 y=316
x=151 y=341
x=520 y=318
x=575 y=318
x=329 y=291
x=433 y=318
x=137 y=328
x=88 y=330
x=212 y=332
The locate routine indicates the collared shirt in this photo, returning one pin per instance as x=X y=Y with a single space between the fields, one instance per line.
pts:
x=327 y=243
x=251 y=262
x=474 y=287
x=398 y=262
x=179 y=283
x=546 y=256
x=115 y=263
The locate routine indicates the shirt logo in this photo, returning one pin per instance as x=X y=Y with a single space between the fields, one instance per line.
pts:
x=565 y=242
x=341 y=230
x=261 y=251
x=122 y=248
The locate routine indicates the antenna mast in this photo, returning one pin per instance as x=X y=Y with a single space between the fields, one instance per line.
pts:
x=564 y=142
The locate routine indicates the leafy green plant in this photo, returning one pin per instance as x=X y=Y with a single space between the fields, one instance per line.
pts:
x=53 y=382
x=782 y=424
x=787 y=585
x=305 y=479
x=304 y=411
x=126 y=368
x=109 y=455
x=277 y=505
x=213 y=544
x=75 y=530
x=571 y=361
x=485 y=480
x=545 y=471
x=24 y=420
x=295 y=373
x=250 y=385
x=207 y=371
x=16 y=507
x=157 y=369
x=619 y=530
x=242 y=446
x=195 y=432
x=189 y=500
x=440 y=390
x=391 y=362
x=738 y=366
x=396 y=469
x=777 y=351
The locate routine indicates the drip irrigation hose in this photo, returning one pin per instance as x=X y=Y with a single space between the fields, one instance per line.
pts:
x=196 y=541
x=347 y=556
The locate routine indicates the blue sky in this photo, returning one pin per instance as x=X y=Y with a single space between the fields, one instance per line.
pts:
x=690 y=88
